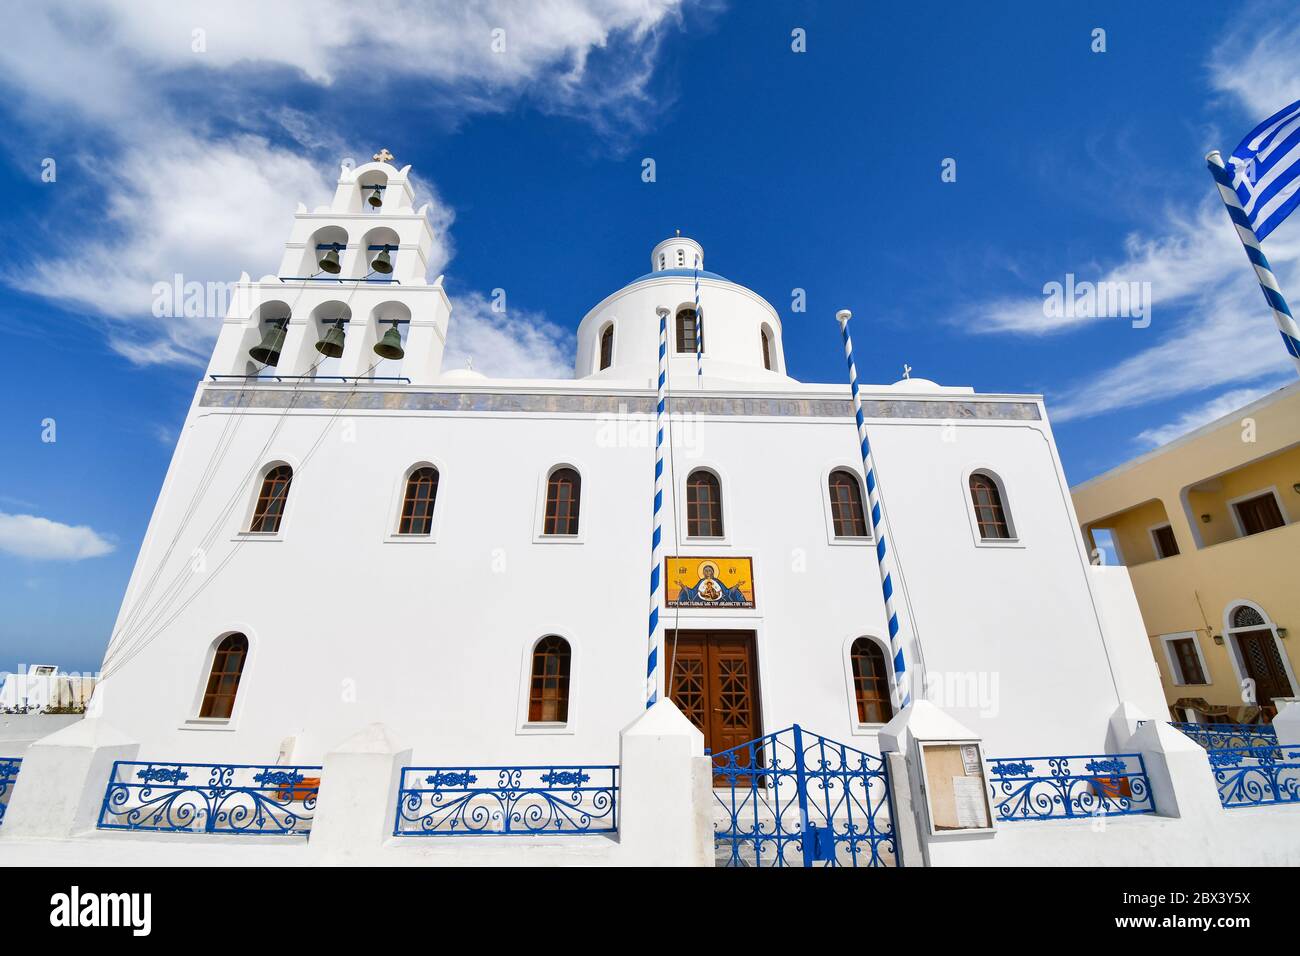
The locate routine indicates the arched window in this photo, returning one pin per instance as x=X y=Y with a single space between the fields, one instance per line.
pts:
x=990 y=516
x=607 y=347
x=870 y=682
x=563 y=496
x=223 y=680
x=686 y=331
x=271 y=500
x=548 y=691
x=703 y=505
x=1246 y=616
x=767 y=350
x=847 y=516
x=417 y=506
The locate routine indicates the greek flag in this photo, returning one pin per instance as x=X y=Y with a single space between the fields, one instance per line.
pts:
x=1266 y=170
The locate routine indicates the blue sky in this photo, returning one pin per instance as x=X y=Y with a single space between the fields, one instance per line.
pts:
x=817 y=170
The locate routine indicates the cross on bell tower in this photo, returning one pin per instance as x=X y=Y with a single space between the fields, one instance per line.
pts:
x=383 y=156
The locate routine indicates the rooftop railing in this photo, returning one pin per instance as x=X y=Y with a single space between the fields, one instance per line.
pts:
x=8 y=775
x=1256 y=776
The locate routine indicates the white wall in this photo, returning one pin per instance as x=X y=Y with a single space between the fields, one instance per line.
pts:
x=432 y=638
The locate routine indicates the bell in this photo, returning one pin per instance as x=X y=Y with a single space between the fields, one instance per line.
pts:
x=390 y=346
x=332 y=345
x=330 y=262
x=382 y=262
x=268 y=350
x=374 y=198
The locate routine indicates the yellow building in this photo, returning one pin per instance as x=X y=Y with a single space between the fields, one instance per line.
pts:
x=1209 y=527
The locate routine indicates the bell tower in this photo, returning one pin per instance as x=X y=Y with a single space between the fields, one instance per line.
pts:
x=351 y=299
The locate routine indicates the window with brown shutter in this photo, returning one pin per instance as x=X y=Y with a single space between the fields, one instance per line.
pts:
x=847 y=516
x=223 y=679
x=870 y=682
x=686 y=331
x=1260 y=513
x=703 y=505
x=270 y=500
x=607 y=347
x=1166 y=543
x=548 y=693
x=563 y=494
x=1189 y=662
x=417 y=505
x=989 y=513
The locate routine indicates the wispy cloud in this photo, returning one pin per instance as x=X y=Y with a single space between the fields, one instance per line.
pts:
x=40 y=539
x=1212 y=410
x=1210 y=325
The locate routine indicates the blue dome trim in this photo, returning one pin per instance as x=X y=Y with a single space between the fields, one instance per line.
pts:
x=677 y=273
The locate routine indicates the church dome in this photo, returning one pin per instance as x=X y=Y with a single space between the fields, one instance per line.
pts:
x=741 y=332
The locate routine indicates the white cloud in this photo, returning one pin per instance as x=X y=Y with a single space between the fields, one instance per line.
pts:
x=199 y=163
x=41 y=539
x=1212 y=410
x=1259 y=69
x=510 y=344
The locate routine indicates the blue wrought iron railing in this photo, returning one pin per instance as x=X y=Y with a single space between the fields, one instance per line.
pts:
x=794 y=798
x=8 y=774
x=1256 y=776
x=1059 y=788
x=504 y=801
x=210 y=798
x=1221 y=736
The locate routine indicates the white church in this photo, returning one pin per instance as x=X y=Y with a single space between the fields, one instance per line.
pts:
x=352 y=534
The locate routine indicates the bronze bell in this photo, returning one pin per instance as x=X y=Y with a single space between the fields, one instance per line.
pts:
x=383 y=262
x=330 y=262
x=268 y=350
x=331 y=346
x=390 y=346
x=374 y=198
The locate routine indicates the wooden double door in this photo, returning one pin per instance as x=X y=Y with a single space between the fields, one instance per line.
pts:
x=714 y=681
x=1263 y=664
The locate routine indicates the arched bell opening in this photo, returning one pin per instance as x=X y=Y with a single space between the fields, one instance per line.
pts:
x=377 y=257
x=262 y=347
x=325 y=253
x=323 y=345
x=386 y=339
x=371 y=194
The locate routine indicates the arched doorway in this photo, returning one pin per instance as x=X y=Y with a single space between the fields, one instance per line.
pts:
x=1258 y=655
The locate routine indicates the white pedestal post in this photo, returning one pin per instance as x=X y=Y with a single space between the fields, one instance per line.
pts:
x=357 y=802
x=1287 y=725
x=665 y=800
x=1182 y=783
x=60 y=786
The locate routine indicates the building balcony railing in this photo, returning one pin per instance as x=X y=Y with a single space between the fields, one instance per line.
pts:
x=1220 y=736
x=210 y=798
x=8 y=775
x=501 y=801
x=1059 y=788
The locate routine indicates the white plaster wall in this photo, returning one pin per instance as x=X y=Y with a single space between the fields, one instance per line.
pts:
x=432 y=638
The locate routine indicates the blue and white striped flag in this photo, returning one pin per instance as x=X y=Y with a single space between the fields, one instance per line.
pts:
x=1266 y=170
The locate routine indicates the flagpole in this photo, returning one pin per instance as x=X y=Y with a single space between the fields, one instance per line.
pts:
x=1286 y=324
x=656 y=537
x=884 y=558
x=699 y=329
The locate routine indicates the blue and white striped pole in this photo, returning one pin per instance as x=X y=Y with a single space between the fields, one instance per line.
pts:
x=657 y=536
x=884 y=559
x=1286 y=323
x=699 y=328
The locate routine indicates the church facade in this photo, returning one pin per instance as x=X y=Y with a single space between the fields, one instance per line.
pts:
x=350 y=532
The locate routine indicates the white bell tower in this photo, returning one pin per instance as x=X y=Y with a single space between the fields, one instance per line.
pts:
x=361 y=260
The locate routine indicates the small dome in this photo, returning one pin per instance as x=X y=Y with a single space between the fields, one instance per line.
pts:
x=463 y=375
x=677 y=252
x=916 y=385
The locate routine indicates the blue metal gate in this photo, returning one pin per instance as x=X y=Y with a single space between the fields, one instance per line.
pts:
x=795 y=798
